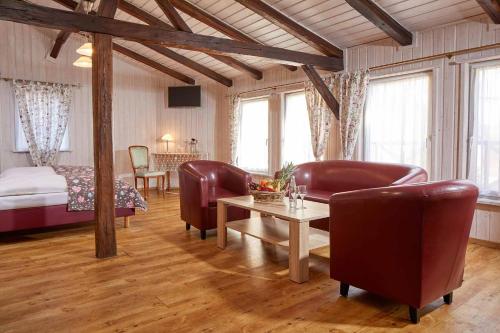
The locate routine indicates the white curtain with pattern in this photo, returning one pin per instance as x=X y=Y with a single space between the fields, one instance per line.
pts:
x=44 y=111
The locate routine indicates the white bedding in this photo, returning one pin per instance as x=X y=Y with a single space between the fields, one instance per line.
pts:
x=33 y=200
x=31 y=187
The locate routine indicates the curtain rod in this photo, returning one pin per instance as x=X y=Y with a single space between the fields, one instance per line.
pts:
x=448 y=55
x=12 y=79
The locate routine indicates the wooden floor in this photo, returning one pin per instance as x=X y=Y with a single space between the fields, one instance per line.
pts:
x=165 y=279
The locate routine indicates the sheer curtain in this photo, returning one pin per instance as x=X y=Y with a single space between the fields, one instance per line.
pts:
x=296 y=139
x=396 y=120
x=234 y=124
x=484 y=155
x=43 y=112
x=253 y=151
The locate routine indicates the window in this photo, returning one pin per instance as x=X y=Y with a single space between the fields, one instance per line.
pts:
x=21 y=145
x=296 y=138
x=484 y=133
x=253 y=139
x=396 y=120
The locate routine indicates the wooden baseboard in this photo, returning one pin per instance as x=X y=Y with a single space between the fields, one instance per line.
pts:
x=484 y=243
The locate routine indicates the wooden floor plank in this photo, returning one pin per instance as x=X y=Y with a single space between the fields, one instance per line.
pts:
x=165 y=279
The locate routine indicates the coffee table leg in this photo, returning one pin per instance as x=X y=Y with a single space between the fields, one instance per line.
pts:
x=221 y=225
x=298 y=253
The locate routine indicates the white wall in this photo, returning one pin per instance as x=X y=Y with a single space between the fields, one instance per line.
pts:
x=140 y=114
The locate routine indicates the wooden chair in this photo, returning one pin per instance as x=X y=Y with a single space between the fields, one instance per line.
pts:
x=139 y=156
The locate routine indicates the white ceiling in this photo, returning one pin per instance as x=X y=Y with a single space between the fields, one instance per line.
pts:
x=334 y=20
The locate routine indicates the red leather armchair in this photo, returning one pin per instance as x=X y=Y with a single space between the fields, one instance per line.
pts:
x=201 y=183
x=406 y=243
x=329 y=177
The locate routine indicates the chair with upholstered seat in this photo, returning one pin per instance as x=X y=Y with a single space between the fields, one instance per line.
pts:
x=139 y=156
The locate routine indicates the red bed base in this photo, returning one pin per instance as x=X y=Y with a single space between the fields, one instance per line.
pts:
x=48 y=216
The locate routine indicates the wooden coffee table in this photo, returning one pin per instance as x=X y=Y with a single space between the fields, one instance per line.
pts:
x=282 y=226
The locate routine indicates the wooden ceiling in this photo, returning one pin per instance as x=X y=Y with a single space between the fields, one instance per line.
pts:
x=334 y=20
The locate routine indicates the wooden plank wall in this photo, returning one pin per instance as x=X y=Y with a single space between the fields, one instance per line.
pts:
x=140 y=112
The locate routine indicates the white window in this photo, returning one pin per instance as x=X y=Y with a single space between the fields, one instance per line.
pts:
x=21 y=145
x=296 y=134
x=396 y=120
x=484 y=129
x=253 y=140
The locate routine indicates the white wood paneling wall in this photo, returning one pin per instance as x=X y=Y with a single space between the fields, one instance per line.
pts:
x=140 y=114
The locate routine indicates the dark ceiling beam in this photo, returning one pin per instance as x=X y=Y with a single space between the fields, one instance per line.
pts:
x=70 y=4
x=173 y=15
x=63 y=36
x=181 y=25
x=191 y=64
x=215 y=23
x=323 y=90
x=153 y=64
x=26 y=13
x=492 y=8
x=380 y=18
x=292 y=27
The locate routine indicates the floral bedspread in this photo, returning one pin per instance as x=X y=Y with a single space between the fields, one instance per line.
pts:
x=81 y=184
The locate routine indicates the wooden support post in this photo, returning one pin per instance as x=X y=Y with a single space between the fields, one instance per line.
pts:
x=102 y=92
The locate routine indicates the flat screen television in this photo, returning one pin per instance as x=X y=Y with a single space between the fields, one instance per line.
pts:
x=186 y=96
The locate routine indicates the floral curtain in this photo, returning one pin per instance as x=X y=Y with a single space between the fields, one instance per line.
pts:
x=44 y=112
x=350 y=90
x=320 y=117
x=234 y=126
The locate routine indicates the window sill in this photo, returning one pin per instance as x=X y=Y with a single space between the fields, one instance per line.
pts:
x=488 y=202
x=27 y=152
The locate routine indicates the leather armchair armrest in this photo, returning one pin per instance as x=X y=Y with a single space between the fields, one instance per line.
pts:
x=236 y=180
x=195 y=188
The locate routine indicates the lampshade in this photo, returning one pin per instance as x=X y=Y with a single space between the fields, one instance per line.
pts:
x=167 y=137
x=85 y=50
x=84 y=62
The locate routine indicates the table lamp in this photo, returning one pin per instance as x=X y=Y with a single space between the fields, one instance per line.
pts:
x=167 y=138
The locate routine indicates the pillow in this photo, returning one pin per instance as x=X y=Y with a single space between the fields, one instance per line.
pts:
x=27 y=172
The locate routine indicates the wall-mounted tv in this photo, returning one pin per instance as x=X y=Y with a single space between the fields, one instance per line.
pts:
x=186 y=96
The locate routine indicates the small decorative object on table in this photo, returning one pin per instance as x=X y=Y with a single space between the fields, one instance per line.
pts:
x=271 y=190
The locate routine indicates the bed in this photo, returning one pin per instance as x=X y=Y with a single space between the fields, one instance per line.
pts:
x=37 y=197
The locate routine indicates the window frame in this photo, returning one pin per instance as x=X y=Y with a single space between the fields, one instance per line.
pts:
x=470 y=119
x=432 y=122
x=260 y=98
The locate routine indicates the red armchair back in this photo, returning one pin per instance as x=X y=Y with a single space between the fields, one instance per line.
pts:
x=406 y=242
x=329 y=177
x=201 y=183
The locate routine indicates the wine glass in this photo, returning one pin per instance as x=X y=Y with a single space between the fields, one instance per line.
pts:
x=302 y=191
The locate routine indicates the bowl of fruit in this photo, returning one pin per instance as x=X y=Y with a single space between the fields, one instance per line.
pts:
x=271 y=190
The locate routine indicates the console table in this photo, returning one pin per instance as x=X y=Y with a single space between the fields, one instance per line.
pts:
x=169 y=162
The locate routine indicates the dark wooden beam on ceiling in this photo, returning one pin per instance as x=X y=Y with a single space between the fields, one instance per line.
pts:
x=191 y=64
x=323 y=90
x=173 y=15
x=102 y=100
x=385 y=22
x=22 y=12
x=214 y=22
x=492 y=8
x=292 y=27
x=181 y=25
x=63 y=36
x=70 y=4
x=146 y=61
